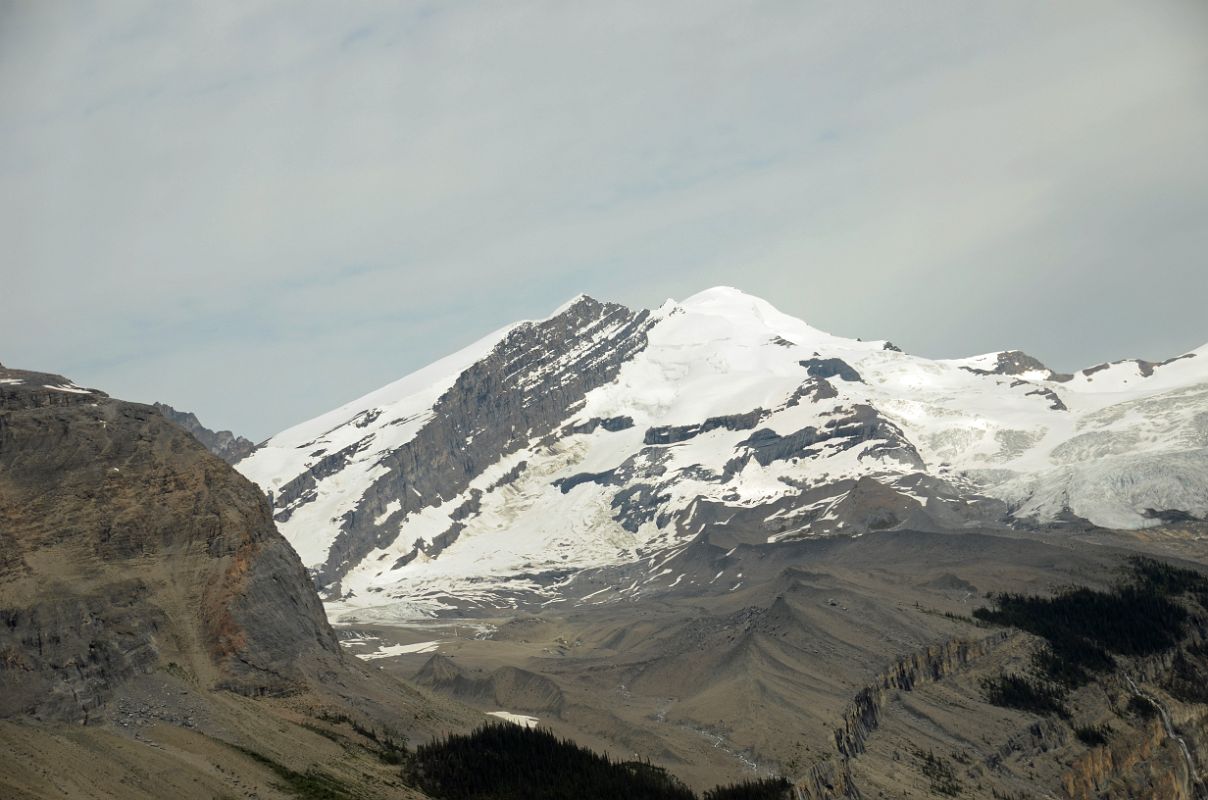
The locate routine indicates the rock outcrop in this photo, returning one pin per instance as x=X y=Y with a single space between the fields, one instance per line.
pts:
x=932 y=663
x=224 y=444
x=524 y=390
x=831 y=778
x=127 y=547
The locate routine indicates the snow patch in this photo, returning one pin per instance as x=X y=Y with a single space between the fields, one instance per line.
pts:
x=389 y=651
x=516 y=719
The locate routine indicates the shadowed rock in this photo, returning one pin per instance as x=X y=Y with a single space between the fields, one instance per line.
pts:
x=831 y=368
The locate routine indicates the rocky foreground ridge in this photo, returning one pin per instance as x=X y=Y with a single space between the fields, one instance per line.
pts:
x=129 y=547
x=157 y=633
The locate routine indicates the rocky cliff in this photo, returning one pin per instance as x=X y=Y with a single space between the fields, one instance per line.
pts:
x=128 y=547
x=831 y=778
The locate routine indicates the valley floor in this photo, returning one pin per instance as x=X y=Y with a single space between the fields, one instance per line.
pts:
x=850 y=662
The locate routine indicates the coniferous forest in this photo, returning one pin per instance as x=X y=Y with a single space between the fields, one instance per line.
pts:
x=1149 y=610
x=501 y=761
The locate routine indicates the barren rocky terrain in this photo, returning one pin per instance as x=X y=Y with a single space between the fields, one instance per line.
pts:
x=852 y=667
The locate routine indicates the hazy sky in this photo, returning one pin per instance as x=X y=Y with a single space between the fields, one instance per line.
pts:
x=257 y=211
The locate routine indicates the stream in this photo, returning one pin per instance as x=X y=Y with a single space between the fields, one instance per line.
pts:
x=1195 y=788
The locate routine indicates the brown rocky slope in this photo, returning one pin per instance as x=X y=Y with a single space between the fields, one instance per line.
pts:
x=127 y=546
x=150 y=613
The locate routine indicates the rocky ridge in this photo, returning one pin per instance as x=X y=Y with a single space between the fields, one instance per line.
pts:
x=224 y=444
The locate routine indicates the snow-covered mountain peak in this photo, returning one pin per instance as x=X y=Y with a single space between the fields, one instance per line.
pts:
x=728 y=301
x=752 y=318
x=605 y=436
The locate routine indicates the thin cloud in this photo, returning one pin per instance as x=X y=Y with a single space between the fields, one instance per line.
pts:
x=260 y=210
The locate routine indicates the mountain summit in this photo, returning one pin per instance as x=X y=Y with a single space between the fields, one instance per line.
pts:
x=605 y=436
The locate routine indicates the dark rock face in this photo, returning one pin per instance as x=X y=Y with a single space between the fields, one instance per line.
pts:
x=644 y=483
x=1011 y=362
x=127 y=547
x=1172 y=516
x=670 y=434
x=523 y=390
x=470 y=506
x=863 y=423
x=1146 y=368
x=302 y=489
x=580 y=478
x=1054 y=399
x=64 y=655
x=224 y=444
x=1017 y=362
x=610 y=424
x=831 y=368
x=816 y=389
